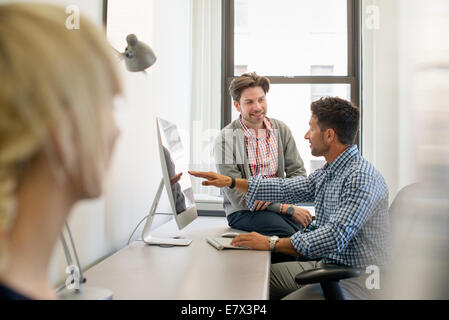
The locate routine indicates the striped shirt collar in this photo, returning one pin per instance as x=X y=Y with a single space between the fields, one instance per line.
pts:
x=342 y=159
x=250 y=133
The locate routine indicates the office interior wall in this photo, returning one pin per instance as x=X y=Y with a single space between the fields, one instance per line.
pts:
x=390 y=54
x=103 y=226
x=388 y=132
x=420 y=224
x=380 y=56
x=164 y=91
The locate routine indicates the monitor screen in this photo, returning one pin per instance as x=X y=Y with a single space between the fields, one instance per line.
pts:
x=174 y=169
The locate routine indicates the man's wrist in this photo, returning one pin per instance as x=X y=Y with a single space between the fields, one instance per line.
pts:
x=284 y=245
x=290 y=211
x=273 y=241
x=276 y=246
x=231 y=183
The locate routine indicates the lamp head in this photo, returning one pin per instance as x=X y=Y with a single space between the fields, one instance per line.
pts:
x=138 y=55
x=132 y=40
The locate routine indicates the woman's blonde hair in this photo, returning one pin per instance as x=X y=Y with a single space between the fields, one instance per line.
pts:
x=54 y=82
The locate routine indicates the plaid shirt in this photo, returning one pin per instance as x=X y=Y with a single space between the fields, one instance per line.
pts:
x=262 y=152
x=351 y=207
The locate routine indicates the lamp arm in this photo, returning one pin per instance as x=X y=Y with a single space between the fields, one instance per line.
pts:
x=86 y=293
x=68 y=257
x=119 y=54
x=75 y=253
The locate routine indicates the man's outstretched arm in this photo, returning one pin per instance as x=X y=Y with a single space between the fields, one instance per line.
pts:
x=298 y=189
x=220 y=181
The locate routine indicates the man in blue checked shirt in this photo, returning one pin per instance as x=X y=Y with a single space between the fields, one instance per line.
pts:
x=351 y=206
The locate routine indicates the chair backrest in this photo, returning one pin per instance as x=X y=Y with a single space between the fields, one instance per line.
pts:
x=405 y=193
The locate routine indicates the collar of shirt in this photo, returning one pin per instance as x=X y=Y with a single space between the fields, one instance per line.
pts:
x=250 y=133
x=340 y=162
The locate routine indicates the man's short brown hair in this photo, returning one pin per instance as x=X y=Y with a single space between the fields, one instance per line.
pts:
x=338 y=114
x=245 y=81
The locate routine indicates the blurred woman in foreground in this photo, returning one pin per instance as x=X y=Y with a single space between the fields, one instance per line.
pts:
x=56 y=135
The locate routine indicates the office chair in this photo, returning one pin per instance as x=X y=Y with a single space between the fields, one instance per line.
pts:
x=329 y=276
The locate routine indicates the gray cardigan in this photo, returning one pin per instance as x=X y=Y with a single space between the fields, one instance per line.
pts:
x=232 y=160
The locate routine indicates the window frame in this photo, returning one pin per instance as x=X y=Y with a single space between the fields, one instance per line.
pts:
x=353 y=77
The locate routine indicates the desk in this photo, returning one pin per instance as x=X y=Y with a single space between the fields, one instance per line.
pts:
x=196 y=272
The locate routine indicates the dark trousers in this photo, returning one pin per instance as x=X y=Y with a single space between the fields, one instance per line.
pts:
x=268 y=223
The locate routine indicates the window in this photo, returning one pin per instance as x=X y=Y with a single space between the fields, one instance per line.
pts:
x=240 y=69
x=321 y=90
x=241 y=15
x=307 y=48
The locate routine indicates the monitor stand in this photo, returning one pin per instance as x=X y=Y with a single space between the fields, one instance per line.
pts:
x=163 y=242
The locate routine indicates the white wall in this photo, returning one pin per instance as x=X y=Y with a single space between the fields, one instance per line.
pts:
x=387 y=129
x=102 y=226
x=408 y=39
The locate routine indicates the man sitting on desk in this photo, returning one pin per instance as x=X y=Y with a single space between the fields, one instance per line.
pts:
x=255 y=144
x=351 y=205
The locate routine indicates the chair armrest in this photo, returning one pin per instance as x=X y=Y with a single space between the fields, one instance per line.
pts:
x=324 y=274
x=305 y=259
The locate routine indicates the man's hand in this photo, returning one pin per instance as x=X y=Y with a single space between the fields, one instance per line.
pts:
x=261 y=205
x=252 y=240
x=220 y=181
x=302 y=216
x=175 y=178
x=213 y=179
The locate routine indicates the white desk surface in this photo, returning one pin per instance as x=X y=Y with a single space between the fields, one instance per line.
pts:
x=196 y=272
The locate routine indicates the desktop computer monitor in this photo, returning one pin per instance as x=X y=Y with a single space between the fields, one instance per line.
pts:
x=174 y=170
x=176 y=180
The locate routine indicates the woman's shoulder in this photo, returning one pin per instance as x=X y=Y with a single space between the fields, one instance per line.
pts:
x=7 y=293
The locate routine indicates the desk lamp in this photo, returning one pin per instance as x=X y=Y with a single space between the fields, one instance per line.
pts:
x=138 y=55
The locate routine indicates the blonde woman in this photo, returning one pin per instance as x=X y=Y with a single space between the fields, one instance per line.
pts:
x=56 y=135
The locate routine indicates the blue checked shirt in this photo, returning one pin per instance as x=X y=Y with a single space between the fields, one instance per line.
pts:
x=351 y=210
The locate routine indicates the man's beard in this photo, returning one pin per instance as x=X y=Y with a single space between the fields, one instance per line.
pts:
x=321 y=151
x=253 y=121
